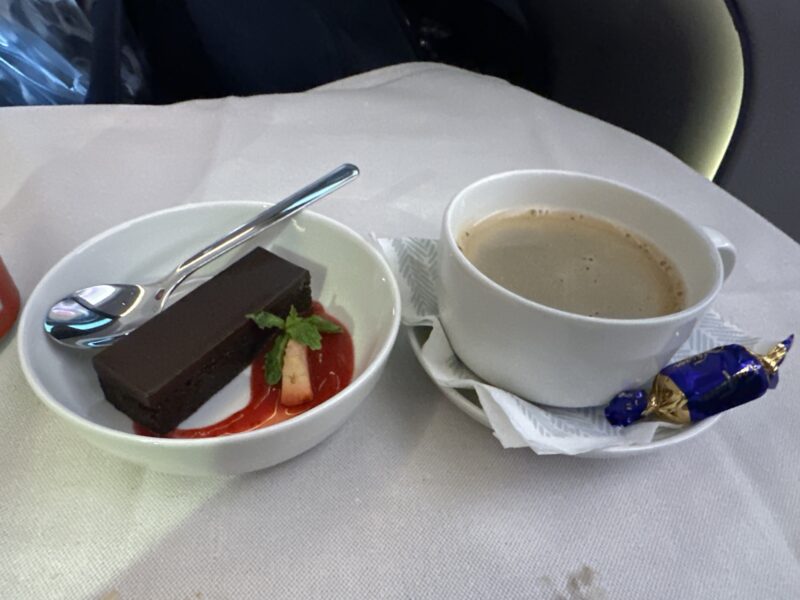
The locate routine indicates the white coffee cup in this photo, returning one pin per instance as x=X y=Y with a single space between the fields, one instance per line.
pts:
x=551 y=356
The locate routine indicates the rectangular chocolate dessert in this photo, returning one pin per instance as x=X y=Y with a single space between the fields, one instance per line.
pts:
x=166 y=369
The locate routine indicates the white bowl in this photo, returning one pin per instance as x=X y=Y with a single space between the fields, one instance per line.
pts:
x=349 y=277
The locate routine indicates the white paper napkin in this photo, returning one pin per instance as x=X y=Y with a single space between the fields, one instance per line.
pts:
x=517 y=422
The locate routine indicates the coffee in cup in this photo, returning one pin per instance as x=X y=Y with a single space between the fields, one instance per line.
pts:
x=575 y=262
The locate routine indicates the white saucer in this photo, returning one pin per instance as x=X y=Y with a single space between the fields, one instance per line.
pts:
x=467 y=401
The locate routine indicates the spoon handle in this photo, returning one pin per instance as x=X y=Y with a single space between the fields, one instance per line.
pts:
x=320 y=188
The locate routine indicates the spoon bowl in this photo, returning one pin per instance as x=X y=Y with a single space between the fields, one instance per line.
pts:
x=97 y=316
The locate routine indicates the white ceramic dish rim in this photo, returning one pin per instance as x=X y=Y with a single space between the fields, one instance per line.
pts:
x=235 y=438
x=476 y=412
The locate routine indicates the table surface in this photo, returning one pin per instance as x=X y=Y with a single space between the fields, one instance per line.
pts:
x=411 y=498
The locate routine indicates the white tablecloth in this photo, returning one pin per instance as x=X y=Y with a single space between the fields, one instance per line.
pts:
x=411 y=498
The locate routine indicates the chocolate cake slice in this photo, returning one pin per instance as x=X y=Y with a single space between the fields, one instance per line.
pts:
x=166 y=369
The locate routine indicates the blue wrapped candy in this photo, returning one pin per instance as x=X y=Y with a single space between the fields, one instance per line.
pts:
x=701 y=386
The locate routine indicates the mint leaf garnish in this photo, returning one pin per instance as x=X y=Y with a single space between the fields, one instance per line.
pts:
x=292 y=318
x=323 y=325
x=266 y=320
x=273 y=361
x=305 y=330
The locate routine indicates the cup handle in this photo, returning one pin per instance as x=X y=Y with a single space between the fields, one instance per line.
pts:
x=727 y=251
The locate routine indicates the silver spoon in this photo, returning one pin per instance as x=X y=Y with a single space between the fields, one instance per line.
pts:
x=97 y=316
